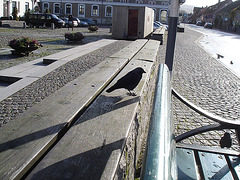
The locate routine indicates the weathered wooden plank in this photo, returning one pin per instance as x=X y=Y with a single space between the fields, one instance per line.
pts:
x=186 y=164
x=149 y=51
x=214 y=166
x=159 y=31
x=24 y=140
x=131 y=49
x=91 y=149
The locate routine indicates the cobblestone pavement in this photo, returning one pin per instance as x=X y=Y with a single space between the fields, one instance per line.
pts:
x=53 y=41
x=44 y=87
x=205 y=82
x=196 y=76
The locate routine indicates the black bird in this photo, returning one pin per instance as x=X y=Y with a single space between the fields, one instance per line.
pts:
x=129 y=81
x=226 y=140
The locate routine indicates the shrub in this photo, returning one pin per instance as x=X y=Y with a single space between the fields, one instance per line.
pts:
x=92 y=28
x=24 y=45
x=74 y=36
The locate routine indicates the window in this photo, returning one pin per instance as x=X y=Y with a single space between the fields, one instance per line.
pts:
x=95 y=10
x=81 y=10
x=165 y=3
x=163 y=15
x=26 y=6
x=152 y=2
x=19 y=6
x=108 y=11
x=56 y=8
x=68 y=9
x=45 y=7
x=14 y=5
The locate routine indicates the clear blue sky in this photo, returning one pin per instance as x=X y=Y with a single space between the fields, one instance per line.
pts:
x=200 y=3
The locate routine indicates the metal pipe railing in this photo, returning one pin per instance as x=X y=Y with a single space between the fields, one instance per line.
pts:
x=159 y=161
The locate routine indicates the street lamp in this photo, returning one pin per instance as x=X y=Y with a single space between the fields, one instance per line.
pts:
x=173 y=20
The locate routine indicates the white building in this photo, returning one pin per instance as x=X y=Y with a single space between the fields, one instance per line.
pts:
x=7 y=6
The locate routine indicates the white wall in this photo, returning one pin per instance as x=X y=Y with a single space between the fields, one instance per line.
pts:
x=20 y=6
x=1 y=8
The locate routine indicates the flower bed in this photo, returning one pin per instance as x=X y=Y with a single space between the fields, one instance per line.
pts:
x=23 y=45
x=74 y=36
x=92 y=28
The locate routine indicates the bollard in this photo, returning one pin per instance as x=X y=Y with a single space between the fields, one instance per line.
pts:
x=53 y=26
x=0 y=23
x=24 y=25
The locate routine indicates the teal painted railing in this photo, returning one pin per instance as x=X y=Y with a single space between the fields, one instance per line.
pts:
x=159 y=161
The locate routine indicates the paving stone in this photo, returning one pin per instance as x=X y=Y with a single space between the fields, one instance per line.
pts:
x=196 y=76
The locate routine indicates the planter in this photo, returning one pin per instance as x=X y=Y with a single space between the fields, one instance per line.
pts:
x=22 y=51
x=23 y=46
x=74 y=36
x=92 y=28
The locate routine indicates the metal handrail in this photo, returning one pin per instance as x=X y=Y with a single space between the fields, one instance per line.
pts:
x=222 y=123
x=159 y=161
x=204 y=112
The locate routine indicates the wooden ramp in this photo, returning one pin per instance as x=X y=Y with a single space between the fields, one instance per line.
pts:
x=93 y=145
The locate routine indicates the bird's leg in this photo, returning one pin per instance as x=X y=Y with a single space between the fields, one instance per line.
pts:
x=132 y=93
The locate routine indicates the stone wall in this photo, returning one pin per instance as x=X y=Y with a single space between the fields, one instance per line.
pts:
x=131 y=160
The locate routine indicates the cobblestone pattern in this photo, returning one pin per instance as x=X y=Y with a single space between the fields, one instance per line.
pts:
x=44 y=87
x=53 y=41
x=205 y=82
x=196 y=76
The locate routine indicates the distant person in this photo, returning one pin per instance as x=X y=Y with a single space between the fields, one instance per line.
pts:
x=70 y=22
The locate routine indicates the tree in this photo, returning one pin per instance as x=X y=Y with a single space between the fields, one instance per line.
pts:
x=15 y=13
x=26 y=14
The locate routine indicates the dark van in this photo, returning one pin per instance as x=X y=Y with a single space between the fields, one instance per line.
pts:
x=44 y=20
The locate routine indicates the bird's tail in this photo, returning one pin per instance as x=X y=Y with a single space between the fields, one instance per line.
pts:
x=110 y=89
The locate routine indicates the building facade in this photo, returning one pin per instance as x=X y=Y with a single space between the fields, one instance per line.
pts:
x=101 y=11
x=208 y=14
x=229 y=17
x=7 y=7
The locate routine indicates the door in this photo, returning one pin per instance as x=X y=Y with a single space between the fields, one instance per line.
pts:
x=132 y=22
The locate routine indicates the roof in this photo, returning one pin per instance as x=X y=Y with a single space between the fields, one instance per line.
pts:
x=217 y=7
x=230 y=7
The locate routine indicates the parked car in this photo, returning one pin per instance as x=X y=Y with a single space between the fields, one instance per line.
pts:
x=163 y=25
x=44 y=20
x=208 y=25
x=78 y=21
x=90 y=22
x=75 y=23
x=155 y=26
x=83 y=23
x=199 y=23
